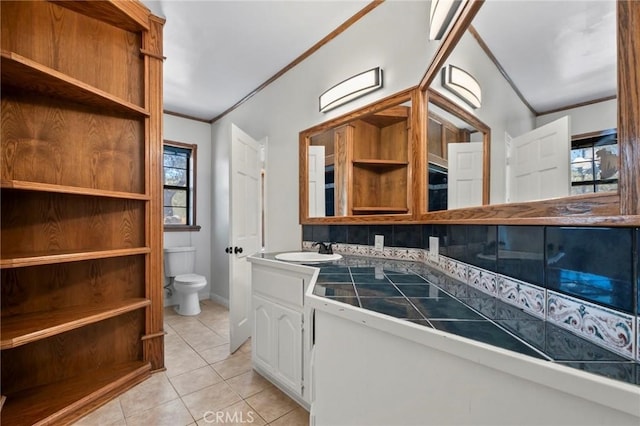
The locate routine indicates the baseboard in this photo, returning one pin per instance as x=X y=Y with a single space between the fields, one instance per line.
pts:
x=220 y=300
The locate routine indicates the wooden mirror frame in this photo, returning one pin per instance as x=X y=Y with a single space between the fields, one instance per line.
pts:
x=412 y=94
x=610 y=209
x=620 y=208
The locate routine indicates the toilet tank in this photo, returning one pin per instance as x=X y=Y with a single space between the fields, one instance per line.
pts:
x=179 y=260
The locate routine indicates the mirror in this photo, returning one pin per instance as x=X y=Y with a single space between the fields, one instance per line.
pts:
x=458 y=156
x=535 y=62
x=359 y=165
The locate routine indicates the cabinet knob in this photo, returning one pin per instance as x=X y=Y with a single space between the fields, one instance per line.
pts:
x=237 y=250
x=227 y=250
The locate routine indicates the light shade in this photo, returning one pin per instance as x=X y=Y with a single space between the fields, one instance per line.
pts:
x=440 y=16
x=350 y=89
x=462 y=84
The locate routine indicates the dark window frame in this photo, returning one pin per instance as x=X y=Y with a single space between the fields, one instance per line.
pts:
x=192 y=150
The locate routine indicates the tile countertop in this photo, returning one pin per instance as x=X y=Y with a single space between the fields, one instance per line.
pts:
x=414 y=292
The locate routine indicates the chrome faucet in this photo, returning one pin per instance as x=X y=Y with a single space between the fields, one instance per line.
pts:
x=323 y=248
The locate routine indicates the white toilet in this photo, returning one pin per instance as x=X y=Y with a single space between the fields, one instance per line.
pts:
x=179 y=263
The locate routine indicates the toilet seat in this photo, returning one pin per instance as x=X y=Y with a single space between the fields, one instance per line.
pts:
x=190 y=279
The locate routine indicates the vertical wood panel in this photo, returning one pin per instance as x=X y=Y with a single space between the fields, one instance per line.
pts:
x=629 y=105
x=152 y=42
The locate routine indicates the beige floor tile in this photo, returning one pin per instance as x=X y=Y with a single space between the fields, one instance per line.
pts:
x=195 y=380
x=216 y=354
x=172 y=413
x=248 y=383
x=179 y=359
x=246 y=347
x=297 y=417
x=210 y=399
x=203 y=338
x=238 y=414
x=151 y=393
x=271 y=403
x=233 y=366
x=108 y=414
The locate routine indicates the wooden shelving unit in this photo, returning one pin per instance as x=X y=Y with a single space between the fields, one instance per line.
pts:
x=380 y=163
x=81 y=214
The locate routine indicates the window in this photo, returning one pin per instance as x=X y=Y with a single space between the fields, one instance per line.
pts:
x=594 y=163
x=179 y=177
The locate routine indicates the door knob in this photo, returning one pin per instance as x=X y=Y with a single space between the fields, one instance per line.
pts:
x=237 y=250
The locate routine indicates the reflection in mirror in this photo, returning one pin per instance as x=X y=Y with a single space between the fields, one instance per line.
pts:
x=538 y=62
x=361 y=167
x=457 y=142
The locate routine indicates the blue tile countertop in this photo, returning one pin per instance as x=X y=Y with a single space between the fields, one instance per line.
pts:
x=415 y=292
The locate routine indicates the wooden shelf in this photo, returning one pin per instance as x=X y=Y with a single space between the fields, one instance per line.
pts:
x=19 y=330
x=35 y=259
x=379 y=163
x=63 y=189
x=53 y=402
x=388 y=209
x=26 y=74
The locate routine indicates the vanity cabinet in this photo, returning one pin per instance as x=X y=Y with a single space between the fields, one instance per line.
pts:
x=380 y=160
x=81 y=247
x=280 y=342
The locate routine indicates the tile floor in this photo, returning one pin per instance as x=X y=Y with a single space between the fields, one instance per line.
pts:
x=203 y=383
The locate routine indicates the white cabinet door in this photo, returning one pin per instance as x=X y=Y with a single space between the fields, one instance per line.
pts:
x=288 y=347
x=277 y=342
x=263 y=339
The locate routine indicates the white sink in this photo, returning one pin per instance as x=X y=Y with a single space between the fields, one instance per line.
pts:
x=307 y=256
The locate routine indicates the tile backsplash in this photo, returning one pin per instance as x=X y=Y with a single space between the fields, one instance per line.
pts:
x=576 y=277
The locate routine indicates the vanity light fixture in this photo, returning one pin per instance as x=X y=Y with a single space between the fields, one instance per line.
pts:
x=440 y=17
x=462 y=84
x=351 y=88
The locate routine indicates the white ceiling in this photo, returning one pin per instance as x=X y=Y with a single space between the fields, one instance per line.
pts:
x=217 y=52
x=557 y=53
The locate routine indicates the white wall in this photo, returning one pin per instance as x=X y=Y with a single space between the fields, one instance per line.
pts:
x=393 y=36
x=588 y=118
x=179 y=129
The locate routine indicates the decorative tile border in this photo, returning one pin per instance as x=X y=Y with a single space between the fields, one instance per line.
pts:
x=616 y=331
x=528 y=297
x=638 y=345
x=483 y=280
x=606 y=327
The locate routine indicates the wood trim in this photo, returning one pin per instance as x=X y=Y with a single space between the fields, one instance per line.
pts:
x=346 y=24
x=578 y=105
x=580 y=209
x=502 y=71
x=629 y=105
x=467 y=14
x=154 y=286
x=187 y=116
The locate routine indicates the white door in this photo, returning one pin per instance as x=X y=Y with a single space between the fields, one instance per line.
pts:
x=245 y=236
x=464 y=178
x=539 y=165
x=316 y=181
